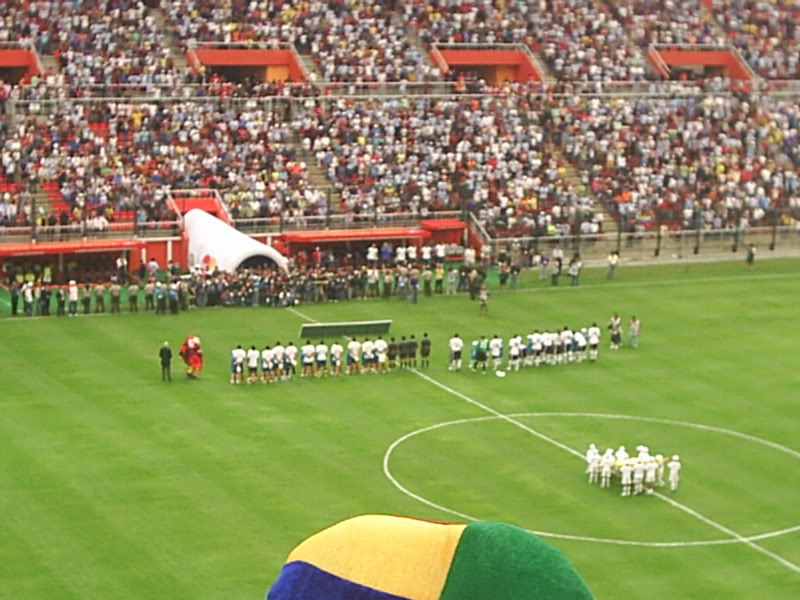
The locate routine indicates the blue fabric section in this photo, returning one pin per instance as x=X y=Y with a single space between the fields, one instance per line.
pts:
x=303 y=581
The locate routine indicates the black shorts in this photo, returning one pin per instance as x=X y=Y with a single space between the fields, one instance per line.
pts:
x=457 y=355
x=481 y=356
x=616 y=338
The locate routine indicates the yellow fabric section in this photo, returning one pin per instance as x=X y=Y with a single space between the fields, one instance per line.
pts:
x=400 y=556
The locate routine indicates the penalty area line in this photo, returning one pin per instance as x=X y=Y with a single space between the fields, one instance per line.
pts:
x=301 y=315
x=726 y=530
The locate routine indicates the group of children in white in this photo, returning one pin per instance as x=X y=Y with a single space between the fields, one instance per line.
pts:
x=537 y=348
x=279 y=363
x=637 y=475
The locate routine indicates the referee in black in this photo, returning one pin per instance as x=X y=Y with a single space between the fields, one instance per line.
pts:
x=165 y=354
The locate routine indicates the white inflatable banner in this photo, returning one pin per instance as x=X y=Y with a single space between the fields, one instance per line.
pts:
x=214 y=242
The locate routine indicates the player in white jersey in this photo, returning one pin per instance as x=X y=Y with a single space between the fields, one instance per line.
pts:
x=456 y=345
x=337 y=351
x=593 y=468
x=496 y=351
x=591 y=454
x=625 y=474
x=594 y=341
x=381 y=349
x=321 y=353
x=368 y=355
x=606 y=465
x=278 y=355
x=621 y=454
x=238 y=356
x=615 y=326
x=536 y=340
x=307 y=355
x=290 y=360
x=252 y=364
x=660 y=461
x=514 y=352
x=267 y=364
x=566 y=340
x=547 y=348
x=650 y=470
x=353 y=356
x=580 y=346
x=674 y=467
x=638 y=477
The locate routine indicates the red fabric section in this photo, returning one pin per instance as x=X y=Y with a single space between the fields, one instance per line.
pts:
x=441 y=224
x=234 y=58
x=68 y=247
x=524 y=68
x=19 y=58
x=717 y=58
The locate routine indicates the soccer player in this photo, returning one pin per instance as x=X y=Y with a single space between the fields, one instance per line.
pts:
x=536 y=339
x=660 y=461
x=267 y=356
x=321 y=352
x=290 y=360
x=413 y=347
x=674 y=467
x=496 y=351
x=402 y=352
x=633 y=332
x=591 y=452
x=515 y=348
x=483 y=299
x=650 y=470
x=638 y=477
x=625 y=472
x=547 y=347
x=353 y=356
x=337 y=350
x=580 y=345
x=425 y=351
x=615 y=326
x=621 y=454
x=367 y=355
x=567 y=355
x=307 y=353
x=482 y=355
x=606 y=464
x=253 y=355
x=392 y=353
x=238 y=356
x=278 y=360
x=594 y=341
x=456 y=345
x=381 y=349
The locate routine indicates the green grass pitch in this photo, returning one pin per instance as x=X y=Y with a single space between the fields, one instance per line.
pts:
x=116 y=486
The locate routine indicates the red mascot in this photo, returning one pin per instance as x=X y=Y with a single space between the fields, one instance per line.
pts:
x=192 y=355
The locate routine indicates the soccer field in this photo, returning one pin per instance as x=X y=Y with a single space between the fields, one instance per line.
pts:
x=115 y=485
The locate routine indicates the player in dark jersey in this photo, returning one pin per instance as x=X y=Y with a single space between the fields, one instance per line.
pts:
x=402 y=352
x=392 y=354
x=413 y=346
x=425 y=351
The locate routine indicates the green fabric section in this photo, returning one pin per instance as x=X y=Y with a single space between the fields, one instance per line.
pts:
x=495 y=561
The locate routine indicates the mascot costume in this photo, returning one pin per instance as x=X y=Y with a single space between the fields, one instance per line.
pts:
x=375 y=557
x=192 y=354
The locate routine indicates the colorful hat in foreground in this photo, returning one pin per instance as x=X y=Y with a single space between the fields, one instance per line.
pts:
x=375 y=557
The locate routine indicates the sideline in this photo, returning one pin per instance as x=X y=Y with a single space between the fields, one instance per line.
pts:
x=738 y=537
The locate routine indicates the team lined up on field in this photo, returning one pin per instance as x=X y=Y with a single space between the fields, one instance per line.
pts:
x=637 y=475
x=537 y=348
x=280 y=362
x=540 y=348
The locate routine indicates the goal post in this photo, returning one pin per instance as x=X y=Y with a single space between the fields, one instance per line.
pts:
x=345 y=328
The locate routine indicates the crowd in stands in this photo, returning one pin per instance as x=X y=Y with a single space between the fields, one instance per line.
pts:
x=355 y=40
x=714 y=162
x=766 y=32
x=667 y=22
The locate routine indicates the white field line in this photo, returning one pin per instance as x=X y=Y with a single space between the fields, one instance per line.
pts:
x=779 y=559
x=53 y=317
x=301 y=315
x=656 y=282
x=582 y=538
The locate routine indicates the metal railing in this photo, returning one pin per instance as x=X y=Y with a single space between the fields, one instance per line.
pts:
x=284 y=223
x=81 y=231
